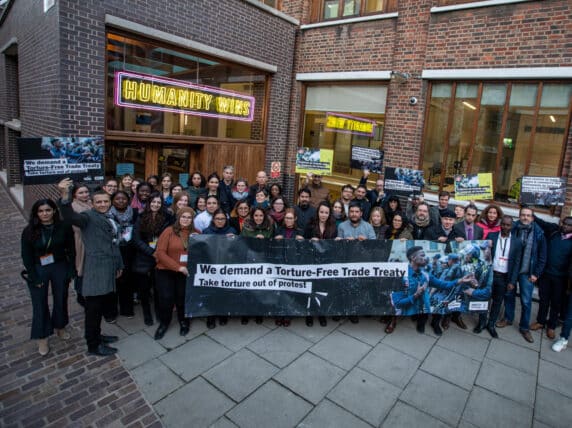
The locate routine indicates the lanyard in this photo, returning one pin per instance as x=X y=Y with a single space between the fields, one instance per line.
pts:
x=503 y=249
x=185 y=243
x=49 y=240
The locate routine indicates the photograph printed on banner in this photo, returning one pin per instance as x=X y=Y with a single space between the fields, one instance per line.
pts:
x=442 y=283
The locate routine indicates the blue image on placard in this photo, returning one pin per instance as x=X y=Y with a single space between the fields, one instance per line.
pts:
x=184 y=180
x=124 y=168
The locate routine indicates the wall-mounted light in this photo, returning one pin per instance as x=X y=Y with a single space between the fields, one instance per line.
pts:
x=552 y=118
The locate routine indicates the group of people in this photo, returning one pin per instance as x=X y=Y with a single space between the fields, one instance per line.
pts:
x=129 y=239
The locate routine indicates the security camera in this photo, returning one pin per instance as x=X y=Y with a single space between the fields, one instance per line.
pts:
x=413 y=101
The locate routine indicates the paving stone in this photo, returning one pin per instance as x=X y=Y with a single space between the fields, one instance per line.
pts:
x=365 y=395
x=368 y=330
x=315 y=333
x=452 y=367
x=201 y=402
x=552 y=408
x=465 y=424
x=272 y=405
x=436 y=397
x=132 y=325
x=538 y=424
x=340 y=349
x=514 y=356
x=329 y=415
x=390 y=364
x=156 y=380
x=236 y=336
x=223 y=423
x=195 y=357
x=464 y=343
x=403 y=415
x=240 y=374
x=280 y=347
x=563 y=359
x=172 y=338
x=138 y=349
x=409 y=341
x=507 y=381
x=556 y=378
x=310 y=376
x=486 y=409
x=512 y=335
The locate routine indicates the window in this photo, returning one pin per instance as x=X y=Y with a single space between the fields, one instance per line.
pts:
x=361 y=102
x=276 y=4
x=509 y=129
x=339 y=9
x=130 y=54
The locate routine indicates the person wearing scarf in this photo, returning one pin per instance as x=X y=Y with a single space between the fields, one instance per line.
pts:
x=420 y=221
x=81 y=202
x=490 y=219
x=124 y=217
x=532 y=266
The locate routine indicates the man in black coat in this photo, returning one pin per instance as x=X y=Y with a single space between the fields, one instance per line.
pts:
x=226 y=200
x=468 y=229
x=506 y=252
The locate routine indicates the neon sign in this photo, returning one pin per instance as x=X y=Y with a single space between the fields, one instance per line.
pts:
x=161 y=94
x=349 y=124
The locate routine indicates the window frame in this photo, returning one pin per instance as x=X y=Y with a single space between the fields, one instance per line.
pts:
x=506 y=108
x=317 y=13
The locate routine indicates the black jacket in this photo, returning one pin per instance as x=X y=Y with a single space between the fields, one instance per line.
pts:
x=459 y=229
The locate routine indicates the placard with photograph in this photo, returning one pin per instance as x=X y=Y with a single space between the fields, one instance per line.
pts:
x=403 y=181
x=46 y=160
x=545 y=191
x=367 y=158
x=474 y=186
x=316 y=161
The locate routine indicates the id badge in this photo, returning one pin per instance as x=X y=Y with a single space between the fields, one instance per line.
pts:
x=153 y=244
x=502 y=262
x=127 y=233
x=184 y=258
x=47 y=259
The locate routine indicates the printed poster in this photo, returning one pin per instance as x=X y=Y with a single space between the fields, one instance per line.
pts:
x=316 y=161
x=474 y=186
x=545 y=191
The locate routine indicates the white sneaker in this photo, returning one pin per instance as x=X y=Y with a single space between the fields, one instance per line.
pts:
x=560 y=345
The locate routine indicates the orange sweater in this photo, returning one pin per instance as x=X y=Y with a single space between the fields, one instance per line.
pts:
x=170 y=248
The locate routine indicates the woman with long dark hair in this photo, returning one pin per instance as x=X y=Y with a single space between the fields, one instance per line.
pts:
x=277 y=210
x=399 y=228
x=149 y=226
x=197 y=187
x=48 y=254
x=239 y=214
x=166 y=182
x=171 y=273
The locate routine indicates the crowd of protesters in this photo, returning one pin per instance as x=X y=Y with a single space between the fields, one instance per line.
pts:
x=127 y=243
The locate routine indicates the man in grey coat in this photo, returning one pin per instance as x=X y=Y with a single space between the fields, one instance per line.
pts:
x=102 y=263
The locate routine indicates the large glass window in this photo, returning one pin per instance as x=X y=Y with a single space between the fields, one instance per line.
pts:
x=508 y=129
x=125 y=53
x=362 y=103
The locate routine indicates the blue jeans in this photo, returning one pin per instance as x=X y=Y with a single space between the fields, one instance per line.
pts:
x=526 y=288
x=565 y=333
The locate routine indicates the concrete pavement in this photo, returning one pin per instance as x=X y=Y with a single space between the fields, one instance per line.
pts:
x=342 y=375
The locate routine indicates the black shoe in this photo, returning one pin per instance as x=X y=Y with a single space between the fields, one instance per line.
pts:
x=222 y=320
x=336 y=319
x=102 y=350
x=244 y=320
x=160 y=332
x=211 y=323
x=110 y=320
x=459 y=321
x=258 y=320
x=323 y=321
x=108 y=339
x=309 y=321
x=437 y=328
x=148 y=320
x=185 y=327
x=478 y=328
x=353 y=319
x=420 y=326
x=493 y=332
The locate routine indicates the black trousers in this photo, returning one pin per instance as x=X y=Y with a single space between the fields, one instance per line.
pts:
x=500 y=282
x=550 y=290
x=94 y=309
x=171 y=292
x=144 y=283
x=43 y=323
